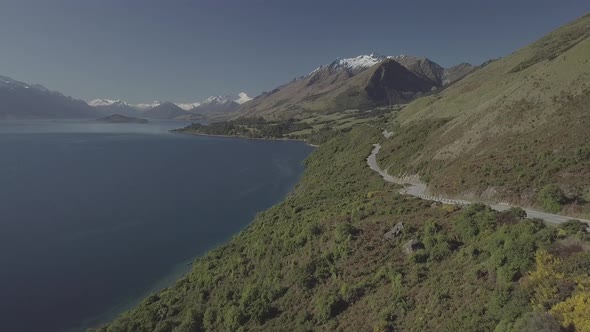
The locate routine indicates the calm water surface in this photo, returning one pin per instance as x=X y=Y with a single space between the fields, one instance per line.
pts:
x=93 y=217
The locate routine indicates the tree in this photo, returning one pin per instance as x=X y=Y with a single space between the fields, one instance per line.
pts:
x=574 y=312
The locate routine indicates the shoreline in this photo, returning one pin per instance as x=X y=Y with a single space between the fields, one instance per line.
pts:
x=182 y=268
x=247 y=138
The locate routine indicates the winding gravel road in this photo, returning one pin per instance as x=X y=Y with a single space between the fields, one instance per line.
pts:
x=416 y=188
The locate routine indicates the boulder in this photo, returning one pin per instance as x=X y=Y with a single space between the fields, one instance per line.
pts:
x=394 y=231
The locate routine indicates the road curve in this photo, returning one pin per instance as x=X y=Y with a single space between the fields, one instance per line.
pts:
x=416 y=188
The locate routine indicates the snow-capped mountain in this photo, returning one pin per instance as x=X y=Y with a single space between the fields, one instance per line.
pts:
x=146 y=106
x=106 y=102
x=218 y=104
x=166 y=110
x=114 y=106
x=363 y=81
x=358 y=63
x=354 y=64
x=241 y=98
x=421 y=66
x=188 y=106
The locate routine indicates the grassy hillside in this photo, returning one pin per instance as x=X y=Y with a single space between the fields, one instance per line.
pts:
x=319 y=261
x=509 y=130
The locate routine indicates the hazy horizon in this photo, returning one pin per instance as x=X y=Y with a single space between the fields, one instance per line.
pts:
x=180 y=51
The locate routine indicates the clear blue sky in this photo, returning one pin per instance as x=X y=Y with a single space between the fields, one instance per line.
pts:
x=180 y=50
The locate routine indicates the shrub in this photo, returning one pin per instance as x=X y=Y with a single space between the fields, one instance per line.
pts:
x=551 y=198
x=536 y=322
x=440 y=251
x=419 y=257
x=574 y=312
x=328 y=306
x=517 y=212
x=475 y=219
x=343 y=231
x=573 y=227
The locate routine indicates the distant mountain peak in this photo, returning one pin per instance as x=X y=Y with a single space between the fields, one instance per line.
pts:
x=358 y=63
x=216 y=100
x=241 y=98
x=106 y=102
x=145 y=106
x=188 y=106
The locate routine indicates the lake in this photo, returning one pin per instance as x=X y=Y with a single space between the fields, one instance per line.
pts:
x=94 y=217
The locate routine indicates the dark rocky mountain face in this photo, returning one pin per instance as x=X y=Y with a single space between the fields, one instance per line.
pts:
x=392 y=83
x=22 y=101
x=423 y=67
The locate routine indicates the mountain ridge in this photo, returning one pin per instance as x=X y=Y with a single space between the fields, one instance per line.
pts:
x=337 y=86
x=22 y=100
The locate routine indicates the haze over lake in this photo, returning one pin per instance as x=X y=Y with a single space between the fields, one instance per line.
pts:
x=95 y=216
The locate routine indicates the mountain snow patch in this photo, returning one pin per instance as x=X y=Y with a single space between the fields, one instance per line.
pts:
x=242 y=98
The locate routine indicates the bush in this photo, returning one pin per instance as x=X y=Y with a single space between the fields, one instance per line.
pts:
x=574 y=312
x=440 y=251
x=328 y=306
x=536 y=322
x=573 y=227
x=551 y=198
x=517 y=212
x=343 y=232
x=419 y=257
x=475 y=219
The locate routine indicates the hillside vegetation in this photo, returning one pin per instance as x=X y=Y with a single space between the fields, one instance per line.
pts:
x=346 y=252
x=320 y=261
x=507 y=131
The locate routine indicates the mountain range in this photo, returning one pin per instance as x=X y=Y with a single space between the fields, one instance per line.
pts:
x=22 y=100
x=360 y=82
x=168 y=110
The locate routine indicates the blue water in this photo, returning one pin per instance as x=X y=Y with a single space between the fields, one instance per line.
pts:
x=93 y=217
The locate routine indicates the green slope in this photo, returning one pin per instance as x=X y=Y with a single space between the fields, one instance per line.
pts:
x=507 y=130
x=319 y=261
